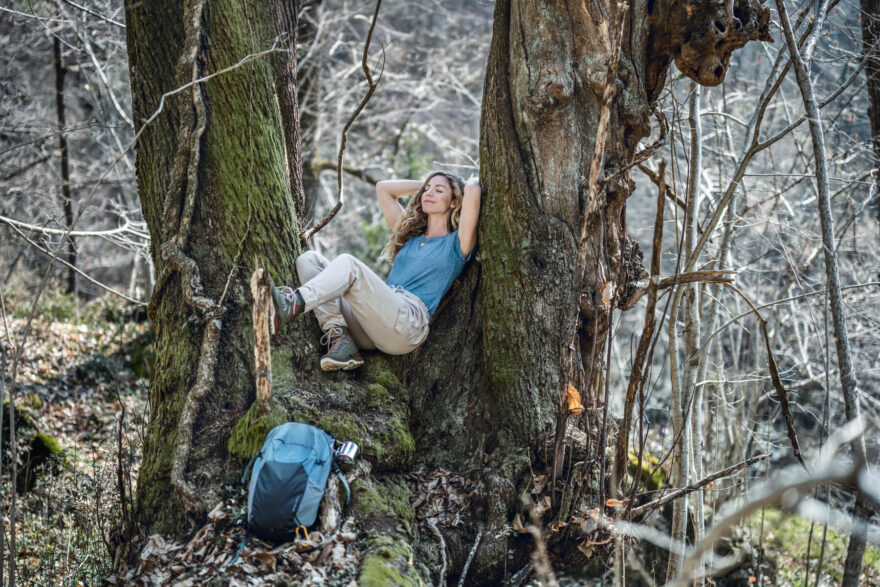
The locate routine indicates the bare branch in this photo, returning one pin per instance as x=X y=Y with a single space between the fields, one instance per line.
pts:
x=93 y=13
x=306 y=235
x=74 y=267
x=126 y=228
x=653 y=505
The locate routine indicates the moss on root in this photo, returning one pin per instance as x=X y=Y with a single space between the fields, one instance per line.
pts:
x=389 y=499
x=387 y=442
x=379 y=371
x=282 y=368
x=300 y=411
x=376 y=394
x=400 y=438
x=250 y=431
x=345 y=427
x=387 y=561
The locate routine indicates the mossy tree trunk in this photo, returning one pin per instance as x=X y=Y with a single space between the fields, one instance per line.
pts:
x=243 y=207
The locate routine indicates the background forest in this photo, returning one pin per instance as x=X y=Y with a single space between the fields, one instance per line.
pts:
x=741 y=196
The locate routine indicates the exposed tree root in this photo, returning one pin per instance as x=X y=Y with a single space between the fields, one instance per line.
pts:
x=330 y=512
x=432 y=524
x=185 y=173
x=204 y=383
x=470 y=557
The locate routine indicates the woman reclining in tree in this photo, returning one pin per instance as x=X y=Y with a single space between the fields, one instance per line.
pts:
x=430 y=243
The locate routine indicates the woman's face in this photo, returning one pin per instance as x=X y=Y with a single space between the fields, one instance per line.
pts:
x=437 y=197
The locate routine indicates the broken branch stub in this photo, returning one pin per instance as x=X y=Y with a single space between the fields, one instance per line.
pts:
x=263 y=313
x=701 y=35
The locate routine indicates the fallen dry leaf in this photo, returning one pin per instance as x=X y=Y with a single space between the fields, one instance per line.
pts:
x=587 y=548
x=266 y=560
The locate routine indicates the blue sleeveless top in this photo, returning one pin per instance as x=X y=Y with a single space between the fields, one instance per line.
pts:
x=428 y=267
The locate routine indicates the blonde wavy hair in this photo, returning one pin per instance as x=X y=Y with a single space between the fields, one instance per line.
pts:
x=414 y=220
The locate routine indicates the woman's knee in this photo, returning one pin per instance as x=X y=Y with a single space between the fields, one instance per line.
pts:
x=347 y=262
x=309 y=264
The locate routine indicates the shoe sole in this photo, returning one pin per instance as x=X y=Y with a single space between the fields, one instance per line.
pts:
x=331 y=365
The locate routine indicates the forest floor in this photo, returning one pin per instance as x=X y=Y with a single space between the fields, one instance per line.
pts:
x=79 y=383
x=83 y=380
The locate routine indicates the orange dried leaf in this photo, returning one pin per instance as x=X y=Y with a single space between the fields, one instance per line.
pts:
x=574 y=401
x=607 y=293
x=614 y=503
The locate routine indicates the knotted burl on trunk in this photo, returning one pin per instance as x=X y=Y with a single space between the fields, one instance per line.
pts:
x=700 y=36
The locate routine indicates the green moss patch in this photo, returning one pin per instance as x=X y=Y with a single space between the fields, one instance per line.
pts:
x=250 y=431
x=376 y=394
x=385 y=441
x=389 y=499
x=344 y=427
x=378 y=370
x=652 y=476
x=282 y=368
x=387 y=561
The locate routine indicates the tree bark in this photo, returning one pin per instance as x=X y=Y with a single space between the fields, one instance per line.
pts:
x=66 y=195
x=504 y=339
x=309 y=94
x=243 y=208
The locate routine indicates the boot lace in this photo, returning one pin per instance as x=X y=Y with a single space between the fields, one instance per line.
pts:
x=287 y=294
x=333 y=338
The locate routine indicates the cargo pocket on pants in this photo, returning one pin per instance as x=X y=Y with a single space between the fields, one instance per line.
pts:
x=412 y=324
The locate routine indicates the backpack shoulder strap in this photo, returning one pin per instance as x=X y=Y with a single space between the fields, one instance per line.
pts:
x=344 y=482
x=250 y=464
x=237 y=552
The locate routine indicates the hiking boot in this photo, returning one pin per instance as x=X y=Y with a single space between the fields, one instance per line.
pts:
x=343 y=352
x=288 y=303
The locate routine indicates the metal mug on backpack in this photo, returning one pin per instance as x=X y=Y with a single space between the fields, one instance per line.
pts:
x=346 y=452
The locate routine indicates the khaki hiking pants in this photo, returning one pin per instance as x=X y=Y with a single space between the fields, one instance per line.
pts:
x=345 y=292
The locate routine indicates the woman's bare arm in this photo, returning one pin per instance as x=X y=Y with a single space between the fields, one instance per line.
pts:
x=388 y=190
x=470 y=213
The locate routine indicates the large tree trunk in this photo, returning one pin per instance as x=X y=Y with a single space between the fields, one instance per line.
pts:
x=242 y=209
x=488 y=382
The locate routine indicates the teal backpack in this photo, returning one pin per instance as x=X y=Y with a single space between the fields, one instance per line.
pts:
x=287 y=483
